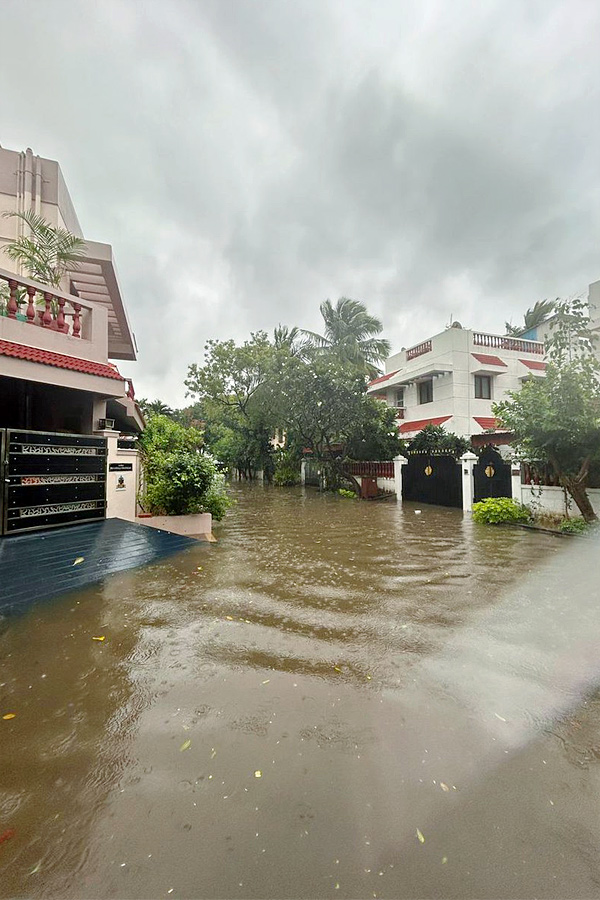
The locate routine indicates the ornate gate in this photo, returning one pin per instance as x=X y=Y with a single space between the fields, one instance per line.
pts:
x=432 y=478
x=50 y=479
x=491 y=476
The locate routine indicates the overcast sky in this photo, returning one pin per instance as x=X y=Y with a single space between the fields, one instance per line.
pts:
x=248 y=159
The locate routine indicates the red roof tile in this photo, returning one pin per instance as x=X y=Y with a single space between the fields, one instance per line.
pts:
x=419 y=424
x=382 y=378
x=59 y=360
x=486 y=421
x=489 y=360
x=534 y=364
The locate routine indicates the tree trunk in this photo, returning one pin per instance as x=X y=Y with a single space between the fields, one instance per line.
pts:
x=576 y=489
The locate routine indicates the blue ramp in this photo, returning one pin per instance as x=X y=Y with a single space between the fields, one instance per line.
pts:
x=40 y=565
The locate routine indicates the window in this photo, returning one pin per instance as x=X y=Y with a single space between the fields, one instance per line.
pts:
x=399 y=398
x=426 y=391
x=483 y=387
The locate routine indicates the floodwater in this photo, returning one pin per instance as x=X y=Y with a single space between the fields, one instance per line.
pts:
x=338 y=699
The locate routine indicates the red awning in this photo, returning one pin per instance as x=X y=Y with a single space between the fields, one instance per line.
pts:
x=59 y=360
x=534 y=364
x=486 y=421
x=488 y=360
x=419 y=424
x=382 y=378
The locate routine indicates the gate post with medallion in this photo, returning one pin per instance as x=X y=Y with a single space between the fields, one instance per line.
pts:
x=515 y=480
x=467 y=462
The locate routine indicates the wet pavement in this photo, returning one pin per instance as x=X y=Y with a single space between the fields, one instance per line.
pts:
x=338 y=699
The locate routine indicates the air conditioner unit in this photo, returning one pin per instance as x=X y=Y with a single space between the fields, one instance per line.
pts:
x=106 y=424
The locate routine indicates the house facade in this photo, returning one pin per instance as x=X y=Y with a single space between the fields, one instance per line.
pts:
x=453 y=378
x=58 y=347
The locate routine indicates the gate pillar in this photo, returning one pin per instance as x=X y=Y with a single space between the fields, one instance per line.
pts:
x=515 y=480
x=467 y=462
x=399 y=461
x=303 y=472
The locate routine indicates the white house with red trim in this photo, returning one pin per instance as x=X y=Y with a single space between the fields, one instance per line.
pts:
x=453 y=378
x=57 y=346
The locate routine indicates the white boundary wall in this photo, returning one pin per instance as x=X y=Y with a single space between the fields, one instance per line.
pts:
x=552 y=499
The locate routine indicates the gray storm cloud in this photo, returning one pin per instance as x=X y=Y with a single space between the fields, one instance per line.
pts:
x=249 y=159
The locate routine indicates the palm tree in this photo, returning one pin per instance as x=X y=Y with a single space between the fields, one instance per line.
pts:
x=155 y=408
x=49 y=252
x=350 y=334
x=285 y=338
x=534 y=316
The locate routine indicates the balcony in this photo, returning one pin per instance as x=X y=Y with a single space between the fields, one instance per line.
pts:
x=43 y=317
x=507 y=343
x=418 y=350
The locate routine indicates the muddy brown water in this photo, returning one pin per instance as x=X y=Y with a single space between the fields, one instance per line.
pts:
x=337 y=699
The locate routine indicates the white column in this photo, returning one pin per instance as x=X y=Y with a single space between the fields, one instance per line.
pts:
x=303 y=472
x=467 y=462
x=399 y=461
x=112 y=438
x=515 y=479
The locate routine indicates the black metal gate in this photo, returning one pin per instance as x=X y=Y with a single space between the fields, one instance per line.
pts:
x=491 y=476
x=50 y=479
x=432 y=478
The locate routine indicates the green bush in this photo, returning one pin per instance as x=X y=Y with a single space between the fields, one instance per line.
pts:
x=495 y=510
x=177 y=483
x=350 y=495
x=287 y=469
x=573 y=526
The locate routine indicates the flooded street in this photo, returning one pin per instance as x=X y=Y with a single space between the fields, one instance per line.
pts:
x=338 y=699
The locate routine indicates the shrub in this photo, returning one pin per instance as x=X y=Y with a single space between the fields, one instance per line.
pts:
x=350 y=495
x=287 y=469
x=495 y=510
x=573 y=526
x=177 y=483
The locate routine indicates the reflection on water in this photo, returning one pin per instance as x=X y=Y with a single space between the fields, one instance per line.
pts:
x=346 y=673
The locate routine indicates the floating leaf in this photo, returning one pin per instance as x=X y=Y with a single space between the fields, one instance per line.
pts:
x=421 y=836
x=36 y=868
x=213 y=754
x=337 y=669
x=266 y=681
x=444 y=859
x=258 y=774
x=102 y=637
x=199 y=568
x=79 y=560
x=500 y=717
x=7 y=835
x=185 y=746
x=229 y=618
x=443 y=786
x=9 y=716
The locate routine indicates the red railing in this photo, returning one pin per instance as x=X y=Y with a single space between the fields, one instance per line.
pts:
x=39 y=305
x=372 y=469
x=507 y=343
x=418 y=350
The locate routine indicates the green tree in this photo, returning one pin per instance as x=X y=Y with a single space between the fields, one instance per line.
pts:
x=435 y=439
x=556 y=419
x=350 y=335
x=237 y=389
x=534 y=316
x=155 y=408
x=49 y=252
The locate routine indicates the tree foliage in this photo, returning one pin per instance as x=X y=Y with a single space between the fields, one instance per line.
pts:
x=350 y=334
x=435 y=439
x=556 y=419
x=535 y=315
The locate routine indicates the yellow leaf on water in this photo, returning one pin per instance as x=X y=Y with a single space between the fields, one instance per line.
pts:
x=199 y=568
x=444 y=859
x=102 y=637
x=266 y=681
x=229 y=618
x=337 y=669
x=443 y=786
x=9 y=716
x=185 y=746
x=78 y=560
x=421 y=836
x=258 y=774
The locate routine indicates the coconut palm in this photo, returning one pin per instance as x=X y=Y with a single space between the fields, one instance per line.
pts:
x=154 y=408
x=350 y=334
x=534 y=316
x=289 y=339
x=49 y=252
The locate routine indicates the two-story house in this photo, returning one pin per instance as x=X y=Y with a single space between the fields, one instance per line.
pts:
x=57 y=346
x=452 y=379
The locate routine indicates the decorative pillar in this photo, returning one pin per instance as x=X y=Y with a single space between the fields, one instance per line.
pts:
x=515 y=480
x=303 y=472
x=399 y=461
x=112 y=439
x=467 y=462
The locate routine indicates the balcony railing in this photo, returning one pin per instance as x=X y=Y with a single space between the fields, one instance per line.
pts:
x=399 y=410
x=418 y=350
x=41 y=306
x=507 y=343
